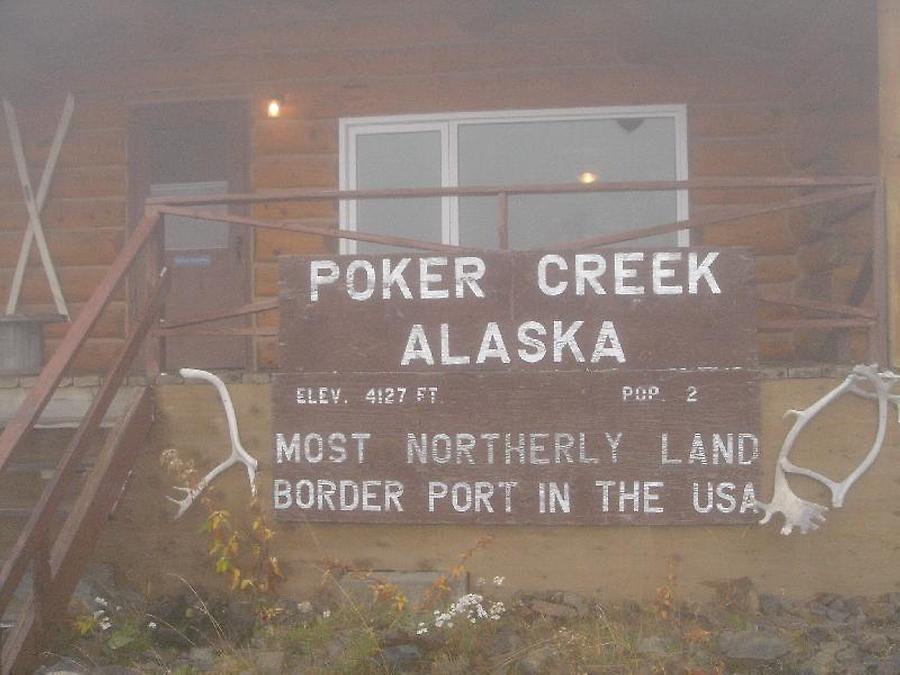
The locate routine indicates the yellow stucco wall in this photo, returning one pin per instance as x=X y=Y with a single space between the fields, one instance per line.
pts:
x=857 y=551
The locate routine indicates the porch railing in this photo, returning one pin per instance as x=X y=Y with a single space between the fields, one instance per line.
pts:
x=818 y=191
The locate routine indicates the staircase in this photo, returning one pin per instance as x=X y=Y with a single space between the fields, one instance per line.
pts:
x=24 y=480
x=57 y=487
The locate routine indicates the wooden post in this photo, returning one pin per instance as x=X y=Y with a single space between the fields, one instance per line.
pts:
x=889 y=141
x=503 y=220
x=879 y=343
x=154 y=354
x=42 y=582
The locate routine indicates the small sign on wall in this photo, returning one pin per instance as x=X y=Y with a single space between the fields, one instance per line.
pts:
x=615 y=387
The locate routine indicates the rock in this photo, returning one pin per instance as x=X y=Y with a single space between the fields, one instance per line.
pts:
x=444 y=664
x=889 y=665
x=772 y=604
x=736 y=594
x=574 y=600
x=62 y=667
x=552 y=609
x=392 y=636
x=506 y=642
x=534 y=662
x=239 y=621
x=824 y=661
x=848 y=654
x=874 y=643
x=402 y=658
x=267 y=662
x=202 y=655
x=335 y=648
x=892 y=600
x=816 y=634
x=654 y=645
x=751 y=645
x=836 y=615
x=98 y=581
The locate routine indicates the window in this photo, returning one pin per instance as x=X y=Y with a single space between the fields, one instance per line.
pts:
x=513 y=147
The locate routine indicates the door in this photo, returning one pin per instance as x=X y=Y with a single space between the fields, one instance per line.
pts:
x=188 y=149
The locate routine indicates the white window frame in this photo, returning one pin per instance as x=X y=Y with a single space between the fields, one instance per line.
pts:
x=448 y=124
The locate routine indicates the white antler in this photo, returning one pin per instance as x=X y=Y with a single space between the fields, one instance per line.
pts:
x=238 y=454
x=806 y=515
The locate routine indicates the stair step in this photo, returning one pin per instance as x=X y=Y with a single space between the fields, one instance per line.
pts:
x=67 y=407
x=45 y=469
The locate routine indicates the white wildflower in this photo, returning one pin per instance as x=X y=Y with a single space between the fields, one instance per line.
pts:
x=101 y=601
x=105 y=624
x=152 y=625
x=422 y=629
x=326 y=613
x=304 y=607
x=498 y=581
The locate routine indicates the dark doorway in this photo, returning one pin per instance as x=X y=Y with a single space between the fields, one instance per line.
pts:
x=185 y=149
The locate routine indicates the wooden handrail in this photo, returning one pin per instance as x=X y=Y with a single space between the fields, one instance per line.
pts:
x=206 y=317
x=748 y=182
x=384 y=239
x=728 y=217
x=820 y=306
x=39 y=395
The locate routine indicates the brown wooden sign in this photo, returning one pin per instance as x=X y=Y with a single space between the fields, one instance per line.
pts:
x=596 y=388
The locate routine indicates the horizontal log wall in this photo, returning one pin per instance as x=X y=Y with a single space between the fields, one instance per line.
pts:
x=745 y=115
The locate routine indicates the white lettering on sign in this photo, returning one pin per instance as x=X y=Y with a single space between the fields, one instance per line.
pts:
x=439 y=276
x=338 y=495
x=629 y=273
x=535 y=448
x=721 y=497
x=464 y=496
x=315 y=448
x=361 y=278
x=666 y=267
x=639 y=496
x=531 y=338
x=715 y=449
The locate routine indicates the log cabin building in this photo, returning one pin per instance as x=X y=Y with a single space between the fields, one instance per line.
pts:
x=746 y=106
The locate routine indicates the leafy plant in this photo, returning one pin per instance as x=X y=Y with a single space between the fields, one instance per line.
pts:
x=241 y=554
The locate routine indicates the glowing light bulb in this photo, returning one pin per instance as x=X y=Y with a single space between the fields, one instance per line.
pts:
x=587 y=177
x=273 y=109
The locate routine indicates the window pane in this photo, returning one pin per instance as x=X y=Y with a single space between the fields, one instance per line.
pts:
x=183 y=233
x=560 y=152
x=398 y=160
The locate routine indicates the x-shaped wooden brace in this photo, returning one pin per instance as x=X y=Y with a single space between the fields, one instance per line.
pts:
x=34 y=204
